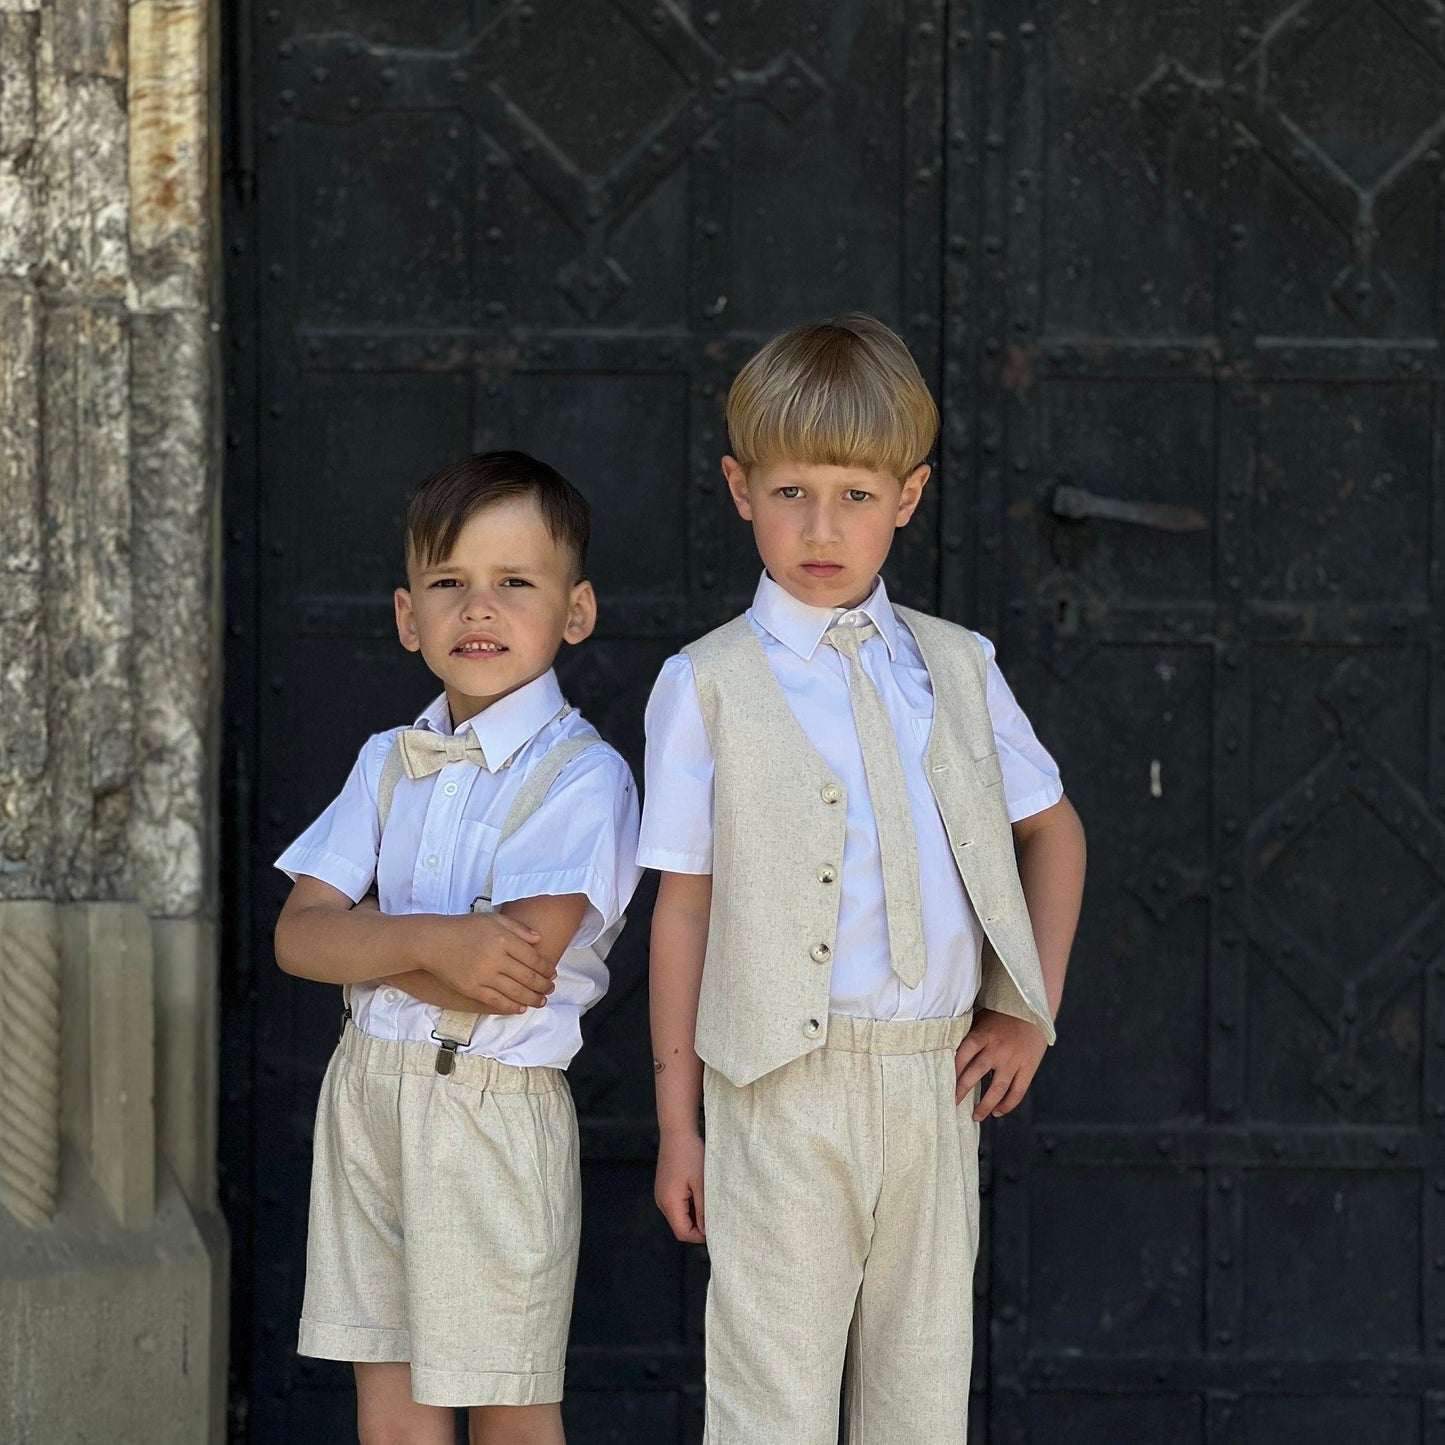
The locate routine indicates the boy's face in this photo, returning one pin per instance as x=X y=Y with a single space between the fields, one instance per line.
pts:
x=490 y=618
x=823 y=532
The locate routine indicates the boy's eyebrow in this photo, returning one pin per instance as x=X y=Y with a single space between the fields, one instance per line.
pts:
x=496 y=567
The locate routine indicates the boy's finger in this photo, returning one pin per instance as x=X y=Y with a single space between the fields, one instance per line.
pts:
x=515 y=925
x=685 y=1227
x=679 y=1219
x=522 y=952
x=1012 y=1099
x=995 y=1094
x=976 y=1069
x=497 y=1003
x=519 y=993
x=531 y=978
x=699 y=1212
x=973 y=1044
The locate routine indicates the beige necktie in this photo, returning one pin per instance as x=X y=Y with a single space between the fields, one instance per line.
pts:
x=892 y=814
x=424 y=752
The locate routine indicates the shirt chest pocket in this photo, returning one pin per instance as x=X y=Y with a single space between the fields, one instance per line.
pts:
x=473 y=865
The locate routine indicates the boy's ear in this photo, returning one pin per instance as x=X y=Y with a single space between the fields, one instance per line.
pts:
x=405 y=621
x=582 y=616
x=736 y=476
x=913 y=485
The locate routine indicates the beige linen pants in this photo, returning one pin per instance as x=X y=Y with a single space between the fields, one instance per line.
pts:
x=841 y=1196
x=444 y=1224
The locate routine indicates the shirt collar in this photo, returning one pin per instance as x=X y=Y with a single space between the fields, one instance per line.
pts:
x=508 y=724
x=801 y=627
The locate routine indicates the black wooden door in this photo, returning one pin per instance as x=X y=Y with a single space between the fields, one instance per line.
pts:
x=1172 y=270
x=1197 y=484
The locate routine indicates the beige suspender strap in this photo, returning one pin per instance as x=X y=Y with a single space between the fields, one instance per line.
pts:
x=391 y=772
x=539 y=783
x=455 y=1027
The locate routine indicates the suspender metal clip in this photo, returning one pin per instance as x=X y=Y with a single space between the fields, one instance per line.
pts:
x=446 y=1055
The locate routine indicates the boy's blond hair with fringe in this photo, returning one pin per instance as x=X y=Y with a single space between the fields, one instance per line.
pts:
x=842 y=393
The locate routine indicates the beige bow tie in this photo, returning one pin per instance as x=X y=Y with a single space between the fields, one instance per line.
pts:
x=892 y=812
x=424 y=752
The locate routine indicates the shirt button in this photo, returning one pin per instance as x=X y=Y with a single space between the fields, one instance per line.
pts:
x=827 y=874
x=450 y=790
x=831 y=793
x=391 y=995
x=812 y=1028
x=431 y=860
x=820 y=953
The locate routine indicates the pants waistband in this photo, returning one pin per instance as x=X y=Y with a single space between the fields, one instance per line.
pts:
x=896 y=1036
x=402 y=1056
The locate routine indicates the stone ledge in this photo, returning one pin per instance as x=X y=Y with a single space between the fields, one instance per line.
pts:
x=110 y=1334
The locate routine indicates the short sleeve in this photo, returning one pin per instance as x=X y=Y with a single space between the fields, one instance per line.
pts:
x=582 y=839
x=340 y=847
x=677 y=815
x=1030 y=775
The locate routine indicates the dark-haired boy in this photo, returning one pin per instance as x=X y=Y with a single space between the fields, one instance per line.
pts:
x=501 y=834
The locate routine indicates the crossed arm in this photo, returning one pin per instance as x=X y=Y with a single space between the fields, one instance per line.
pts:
x=1051 y=856
x=496 y=963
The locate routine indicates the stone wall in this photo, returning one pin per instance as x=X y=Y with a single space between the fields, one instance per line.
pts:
x=112 y=1257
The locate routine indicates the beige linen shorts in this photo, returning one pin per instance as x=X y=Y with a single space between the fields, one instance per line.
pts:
x=841 y=1193
x=445 y=1215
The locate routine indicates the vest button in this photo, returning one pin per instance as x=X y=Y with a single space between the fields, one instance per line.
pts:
x=820 y=953
x=831 y=793
x=827 y=874
x=812 y=1028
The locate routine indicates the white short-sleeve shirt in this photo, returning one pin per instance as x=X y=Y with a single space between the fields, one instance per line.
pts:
x=677 y=821
x=441 y=845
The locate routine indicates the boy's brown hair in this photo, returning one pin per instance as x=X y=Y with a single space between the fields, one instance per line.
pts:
x=844 y=393
x=448 y=499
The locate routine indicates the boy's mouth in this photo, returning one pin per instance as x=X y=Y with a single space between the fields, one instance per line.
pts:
x=822 y=569
x=478 y=646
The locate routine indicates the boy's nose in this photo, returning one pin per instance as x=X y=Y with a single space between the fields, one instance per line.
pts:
x=477 y=604
x=820 y=525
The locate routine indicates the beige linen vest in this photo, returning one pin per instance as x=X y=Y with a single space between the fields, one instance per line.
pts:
x=780 y=821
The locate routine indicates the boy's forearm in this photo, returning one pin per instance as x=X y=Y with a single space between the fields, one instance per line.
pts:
x=555 y=917
x=679 y=943
x=430 y=989
x=1051 y=869
x=350 y=945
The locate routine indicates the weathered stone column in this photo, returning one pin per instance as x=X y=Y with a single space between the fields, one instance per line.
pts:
x=112 y=1253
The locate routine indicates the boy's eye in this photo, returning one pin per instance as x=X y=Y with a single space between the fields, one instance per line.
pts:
x=857 y=494
x=790 y=493
x=447 y=582
x=515 y=582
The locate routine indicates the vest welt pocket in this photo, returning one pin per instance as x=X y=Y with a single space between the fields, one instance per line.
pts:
x=990 y=770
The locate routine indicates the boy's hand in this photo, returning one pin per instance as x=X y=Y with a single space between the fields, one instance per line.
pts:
x=678 y=1190
x=1012 y=1048
x=491 y=959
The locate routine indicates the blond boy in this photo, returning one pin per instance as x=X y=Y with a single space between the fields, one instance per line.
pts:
x=871 y=880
